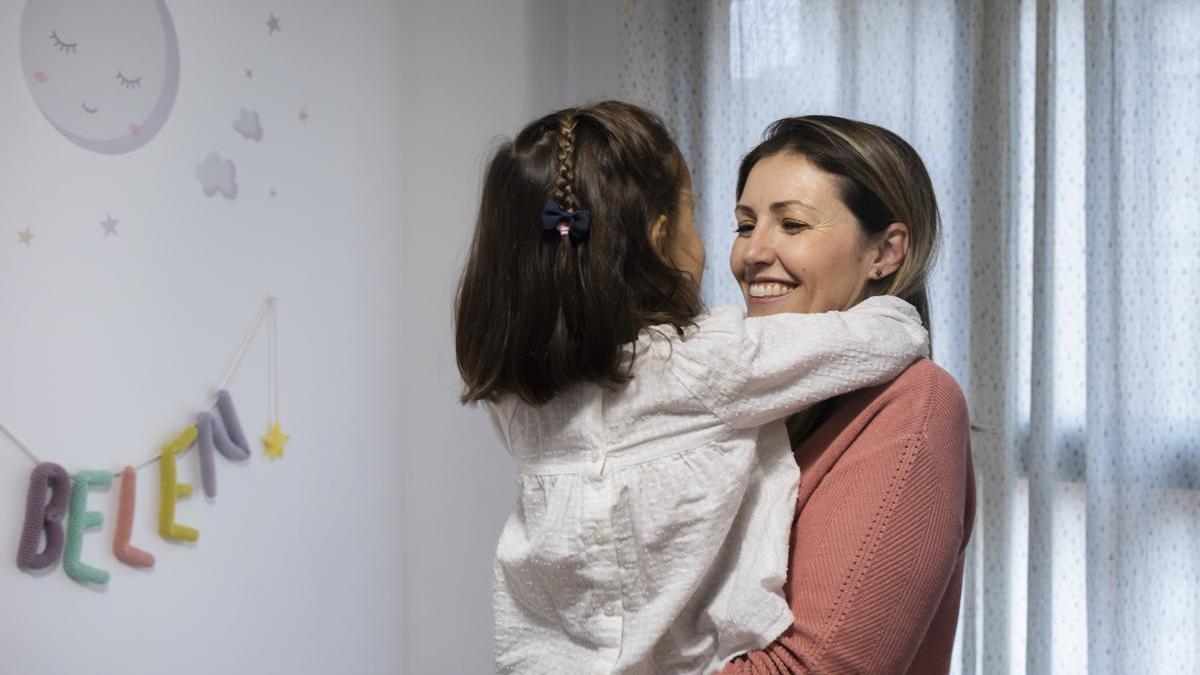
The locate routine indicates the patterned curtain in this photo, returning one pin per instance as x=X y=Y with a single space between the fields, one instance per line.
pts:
x=1063 y=139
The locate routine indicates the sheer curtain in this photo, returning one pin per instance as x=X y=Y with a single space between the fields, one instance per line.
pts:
x=1063 y=138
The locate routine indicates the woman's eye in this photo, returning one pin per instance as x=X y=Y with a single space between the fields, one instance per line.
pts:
x=794 y=225
x=127 y=82
x=744 y=229
x=62 y=45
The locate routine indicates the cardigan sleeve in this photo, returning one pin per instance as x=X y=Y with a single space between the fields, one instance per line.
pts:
x=876 y=549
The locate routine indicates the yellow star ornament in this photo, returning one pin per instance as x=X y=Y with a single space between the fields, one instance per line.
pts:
x=274 y=442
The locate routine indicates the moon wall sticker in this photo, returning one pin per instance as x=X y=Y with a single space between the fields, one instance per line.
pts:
x=104 y=74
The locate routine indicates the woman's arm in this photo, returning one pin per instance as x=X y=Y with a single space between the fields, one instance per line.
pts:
x=877 y=546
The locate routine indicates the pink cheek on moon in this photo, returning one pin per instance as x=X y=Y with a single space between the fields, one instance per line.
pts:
x=134 y=129
x=40 y=75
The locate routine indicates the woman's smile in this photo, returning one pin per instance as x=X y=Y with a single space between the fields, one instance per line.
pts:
x=763 y=291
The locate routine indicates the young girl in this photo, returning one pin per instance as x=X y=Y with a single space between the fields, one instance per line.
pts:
x=655 y=500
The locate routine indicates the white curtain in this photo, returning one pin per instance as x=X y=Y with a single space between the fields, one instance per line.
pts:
x=1063 y=139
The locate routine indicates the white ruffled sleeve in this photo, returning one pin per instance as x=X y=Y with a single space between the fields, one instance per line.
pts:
x=752 y=370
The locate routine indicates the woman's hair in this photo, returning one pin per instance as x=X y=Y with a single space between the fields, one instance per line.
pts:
x=537 y=311
x=882 y=180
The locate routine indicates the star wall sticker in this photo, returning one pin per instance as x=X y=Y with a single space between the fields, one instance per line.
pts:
x=274 y=441
x=273 y=24
x=249 y=72
x=303 y=115
x=272 y=192
x=25 y=236
x=109 y=224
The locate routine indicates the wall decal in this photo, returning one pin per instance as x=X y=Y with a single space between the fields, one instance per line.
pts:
x=105 y=75
x=248 y=125
x=217 y=175
x=109 y=224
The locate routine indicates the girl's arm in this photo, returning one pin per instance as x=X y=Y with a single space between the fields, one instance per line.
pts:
x=750 y=371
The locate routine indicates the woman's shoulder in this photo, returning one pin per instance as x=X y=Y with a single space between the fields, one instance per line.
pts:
x=924 y=376
x=926 y=398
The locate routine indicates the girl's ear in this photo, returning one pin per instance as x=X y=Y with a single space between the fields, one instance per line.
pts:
x=658 y=237
x=889 y=251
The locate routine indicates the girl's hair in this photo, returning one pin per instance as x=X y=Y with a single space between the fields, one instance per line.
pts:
x=882 y=181
x=537 y=312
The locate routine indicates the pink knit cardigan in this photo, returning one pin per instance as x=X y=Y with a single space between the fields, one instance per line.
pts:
x=885 y=508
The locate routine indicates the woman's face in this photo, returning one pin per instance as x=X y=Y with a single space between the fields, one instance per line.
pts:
x=798 y=247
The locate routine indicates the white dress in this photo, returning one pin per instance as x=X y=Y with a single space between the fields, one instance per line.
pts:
x=652 y=521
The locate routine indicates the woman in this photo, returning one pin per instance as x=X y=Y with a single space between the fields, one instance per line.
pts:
x=831 y=211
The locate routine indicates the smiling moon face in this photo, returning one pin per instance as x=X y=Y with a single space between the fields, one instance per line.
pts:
x=105 y=74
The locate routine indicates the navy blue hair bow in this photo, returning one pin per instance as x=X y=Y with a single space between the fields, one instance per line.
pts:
x=573 y=223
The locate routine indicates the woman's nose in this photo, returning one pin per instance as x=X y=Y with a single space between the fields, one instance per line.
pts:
x=759 y=250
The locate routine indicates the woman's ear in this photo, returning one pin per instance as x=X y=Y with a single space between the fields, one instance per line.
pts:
x=889 y=251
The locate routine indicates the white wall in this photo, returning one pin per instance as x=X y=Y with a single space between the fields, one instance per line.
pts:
x=111 y=343
x=368 y=548
x=484 y=70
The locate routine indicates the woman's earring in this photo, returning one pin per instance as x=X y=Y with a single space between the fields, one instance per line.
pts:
x=876 y=273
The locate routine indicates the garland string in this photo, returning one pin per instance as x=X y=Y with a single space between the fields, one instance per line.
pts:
x=266 y=313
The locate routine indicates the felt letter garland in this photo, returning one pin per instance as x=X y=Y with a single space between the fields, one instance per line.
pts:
x=41 y=516
x=78 y=520
x=56 y=510
x=172 y=491
x=225 y=430
x=122 y=549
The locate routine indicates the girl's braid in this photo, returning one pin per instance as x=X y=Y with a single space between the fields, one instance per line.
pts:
x=564 y=178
